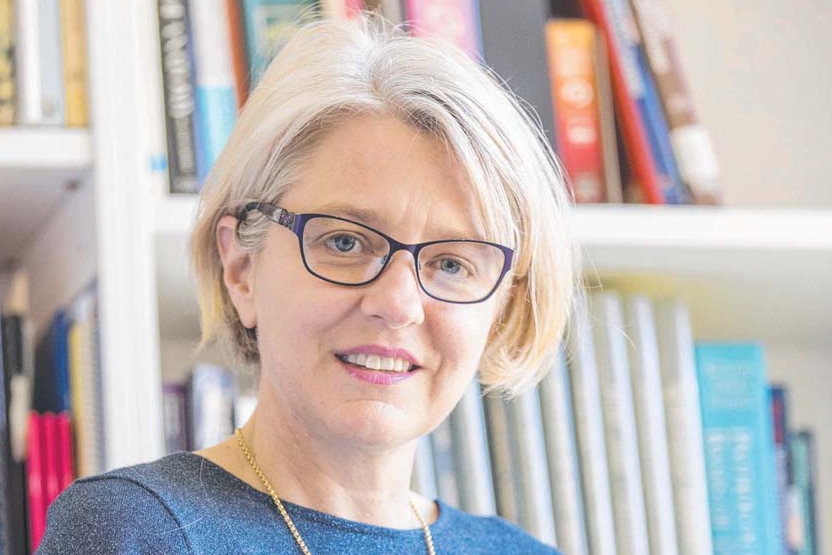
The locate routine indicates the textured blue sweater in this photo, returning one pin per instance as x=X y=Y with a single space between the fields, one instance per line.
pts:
x=183 y=503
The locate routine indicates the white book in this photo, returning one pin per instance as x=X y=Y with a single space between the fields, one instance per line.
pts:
x=562 y=457
x=619 y=424
x=589 y=425
x=38 y=60
x=447 y=482
x=645 y=377
x=530 y=469
x=502 y=469
x=216 y=92
x=684 y=428
x=471 y=460
x=423 y=478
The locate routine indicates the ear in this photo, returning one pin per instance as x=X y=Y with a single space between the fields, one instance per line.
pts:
x=237 y=271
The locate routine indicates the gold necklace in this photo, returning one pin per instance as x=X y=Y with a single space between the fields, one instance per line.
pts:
x=288 y=520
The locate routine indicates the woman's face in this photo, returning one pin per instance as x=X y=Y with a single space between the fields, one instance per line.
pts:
x=387 y=175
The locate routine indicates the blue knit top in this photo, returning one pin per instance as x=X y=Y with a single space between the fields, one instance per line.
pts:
x=184 y=503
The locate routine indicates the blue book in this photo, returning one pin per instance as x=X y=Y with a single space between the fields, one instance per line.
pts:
x=739 y=449
x=646 y=96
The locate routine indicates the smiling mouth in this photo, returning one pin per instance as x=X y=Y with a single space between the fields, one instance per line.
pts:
x=376 y=362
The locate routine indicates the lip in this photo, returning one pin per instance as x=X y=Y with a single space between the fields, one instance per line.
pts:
x=378 y=377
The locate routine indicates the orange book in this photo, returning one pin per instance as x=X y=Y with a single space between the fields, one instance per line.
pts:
x=239 y=56
x=74 y=45
x=571 y=52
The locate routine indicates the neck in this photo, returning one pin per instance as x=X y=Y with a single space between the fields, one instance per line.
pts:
x=360 y=484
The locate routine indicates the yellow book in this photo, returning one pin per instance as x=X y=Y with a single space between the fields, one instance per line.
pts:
x=7 y=84
x=74 y=43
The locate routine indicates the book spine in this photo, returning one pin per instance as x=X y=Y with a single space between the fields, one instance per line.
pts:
x=66 y=458
x=447 y=481
x=562 y=459
x=647 y=102
x=614 y=191
x=571 y=47
x=174 y=410
x=7 y=69
x=801 y=447
x=35 y=479
x=739 y=450
x=53 y=99
x=628 y=90
x=454 y=21
x=268 y=25
x=502 y=464
x=778 y=401
x=680 y=391
x=473 y=467
x=619 y=424
x=74 y=42
x=216 y=99
x=645 y=378
x=589 y=425
x=178 y=95
x=529 y=461
x=691 y=142
x=239 y=56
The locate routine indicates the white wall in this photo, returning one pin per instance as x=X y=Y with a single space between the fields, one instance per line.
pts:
x=761 y=74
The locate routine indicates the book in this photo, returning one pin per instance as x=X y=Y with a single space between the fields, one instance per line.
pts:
x=531 y=472
x=513 y=45
x=175 y=417
x=571 y=46
x=589 y=426
x=178 y=83
x=17 y=393
x=211 y=393
x=680 y=391
x=239 y=55
x=502 y=464
x=690 y=140
x=620 y=434
x=471 y=459
x=628 y=90
x=645 y=377
x=778 y=405
x=447 y=480
x=35 y=479
x=215 y=88
x=74 y=49
x=269 y=24
x=40 y=93
x=804 y=471
x=739 y=449
x=6 y=516
x=453 y=21
x=562 y=458
x=610 y=144
x=7 y=71
x=423 y=479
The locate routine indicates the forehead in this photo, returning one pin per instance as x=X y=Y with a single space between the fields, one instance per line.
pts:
x=389 y=174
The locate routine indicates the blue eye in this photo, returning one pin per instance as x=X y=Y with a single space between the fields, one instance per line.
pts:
x=342 y=243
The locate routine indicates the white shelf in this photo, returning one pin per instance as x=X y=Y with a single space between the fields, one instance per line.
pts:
x=37 y=165
x=747 y=273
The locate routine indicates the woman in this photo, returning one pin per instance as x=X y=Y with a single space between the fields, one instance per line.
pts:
x=384 y=223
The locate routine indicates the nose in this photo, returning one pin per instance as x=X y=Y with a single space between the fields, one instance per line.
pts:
x=395 y=297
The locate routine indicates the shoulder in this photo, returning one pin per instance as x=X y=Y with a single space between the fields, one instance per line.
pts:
x=114 y=512
x=485 y=534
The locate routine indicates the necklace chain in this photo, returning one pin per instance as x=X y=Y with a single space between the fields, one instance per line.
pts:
x=288 y=520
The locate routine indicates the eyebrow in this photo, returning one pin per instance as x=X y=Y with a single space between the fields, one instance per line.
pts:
x=373 y=219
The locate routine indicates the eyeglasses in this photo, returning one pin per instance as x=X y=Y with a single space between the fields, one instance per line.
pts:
x=345 y=252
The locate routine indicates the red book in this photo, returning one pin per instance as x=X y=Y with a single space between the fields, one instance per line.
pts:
x=35 y=479
x=66 y=466
x=636 y=141
x=239 y=56
x=51 y=457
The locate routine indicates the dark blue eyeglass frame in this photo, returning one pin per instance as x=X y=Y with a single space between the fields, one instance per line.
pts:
x=297 y=222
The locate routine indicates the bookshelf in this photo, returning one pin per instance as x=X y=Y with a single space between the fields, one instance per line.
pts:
x=78 y=204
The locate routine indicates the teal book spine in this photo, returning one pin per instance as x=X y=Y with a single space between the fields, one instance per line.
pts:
x=739 y=449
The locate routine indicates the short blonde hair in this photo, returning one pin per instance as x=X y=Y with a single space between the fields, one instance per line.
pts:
x=332 y=71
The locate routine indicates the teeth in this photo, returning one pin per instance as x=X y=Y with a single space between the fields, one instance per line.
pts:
x=376 y=362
